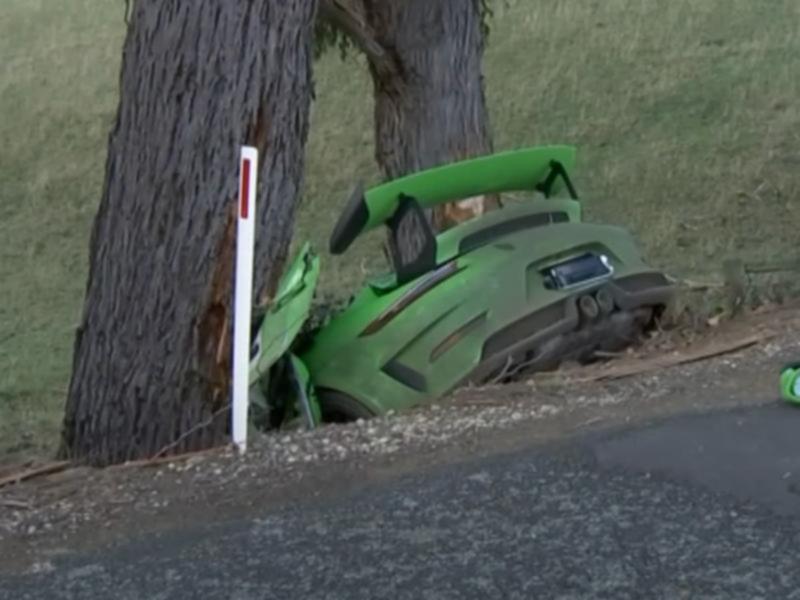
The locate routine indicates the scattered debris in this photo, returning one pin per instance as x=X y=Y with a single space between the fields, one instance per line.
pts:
x=658 y=362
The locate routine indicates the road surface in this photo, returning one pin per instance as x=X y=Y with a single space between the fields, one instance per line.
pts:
x=702 y=506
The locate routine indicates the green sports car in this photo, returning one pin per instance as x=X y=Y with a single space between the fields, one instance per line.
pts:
x=519 y=289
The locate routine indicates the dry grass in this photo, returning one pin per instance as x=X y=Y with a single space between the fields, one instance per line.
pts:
x=684 y=112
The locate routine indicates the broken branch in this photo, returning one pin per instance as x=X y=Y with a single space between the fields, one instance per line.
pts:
x=25 y=475
x=664 y=362
x=160 y=460
x=17 y=504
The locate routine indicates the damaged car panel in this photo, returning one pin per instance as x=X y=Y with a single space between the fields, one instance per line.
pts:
x=520 y=288
x=275 y=328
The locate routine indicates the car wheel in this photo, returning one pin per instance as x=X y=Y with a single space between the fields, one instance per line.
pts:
x=338 y=407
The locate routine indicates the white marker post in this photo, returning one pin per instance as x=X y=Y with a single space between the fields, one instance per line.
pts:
x=245 y=245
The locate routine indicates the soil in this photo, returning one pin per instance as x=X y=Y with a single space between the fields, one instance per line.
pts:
x=730 y=364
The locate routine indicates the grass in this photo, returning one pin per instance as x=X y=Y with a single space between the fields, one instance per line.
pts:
x=684 y=113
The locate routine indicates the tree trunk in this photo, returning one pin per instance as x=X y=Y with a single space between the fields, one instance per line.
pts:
x=430 y=107
x=198 y=80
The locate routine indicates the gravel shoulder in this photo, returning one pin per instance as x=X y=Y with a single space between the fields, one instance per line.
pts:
x=81 y=509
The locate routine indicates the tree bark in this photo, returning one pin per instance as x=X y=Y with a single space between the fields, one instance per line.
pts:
x=198 y=80
x=430 y=106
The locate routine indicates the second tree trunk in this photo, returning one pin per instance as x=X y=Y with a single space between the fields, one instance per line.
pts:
x=430 y=107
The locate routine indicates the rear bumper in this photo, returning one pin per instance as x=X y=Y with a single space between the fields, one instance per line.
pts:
x=649 y=289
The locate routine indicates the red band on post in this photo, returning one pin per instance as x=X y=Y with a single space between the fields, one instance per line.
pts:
x=244 y=200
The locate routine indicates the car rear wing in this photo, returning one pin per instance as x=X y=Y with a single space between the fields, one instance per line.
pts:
x=542 y=168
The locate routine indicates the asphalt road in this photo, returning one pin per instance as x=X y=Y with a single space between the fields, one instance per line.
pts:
x=696 y=507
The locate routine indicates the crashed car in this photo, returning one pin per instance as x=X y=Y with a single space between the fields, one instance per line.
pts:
x=518 y=289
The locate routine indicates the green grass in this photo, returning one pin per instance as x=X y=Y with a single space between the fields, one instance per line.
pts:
x=684 y=113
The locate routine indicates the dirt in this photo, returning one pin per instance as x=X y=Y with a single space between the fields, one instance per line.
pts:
x=80 y=509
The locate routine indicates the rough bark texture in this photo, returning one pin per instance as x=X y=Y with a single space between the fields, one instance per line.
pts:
x=198 y=80
x=430 y=106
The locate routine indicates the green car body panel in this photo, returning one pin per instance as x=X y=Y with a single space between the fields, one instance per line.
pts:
x=482 y=295
x=284 y=317
x=790 y=383
x=438 y=340
x=277 y=327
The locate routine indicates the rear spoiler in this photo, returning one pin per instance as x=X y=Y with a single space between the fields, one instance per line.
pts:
x=528 y=169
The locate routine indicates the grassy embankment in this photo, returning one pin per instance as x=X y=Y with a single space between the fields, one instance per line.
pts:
x=685 y=113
